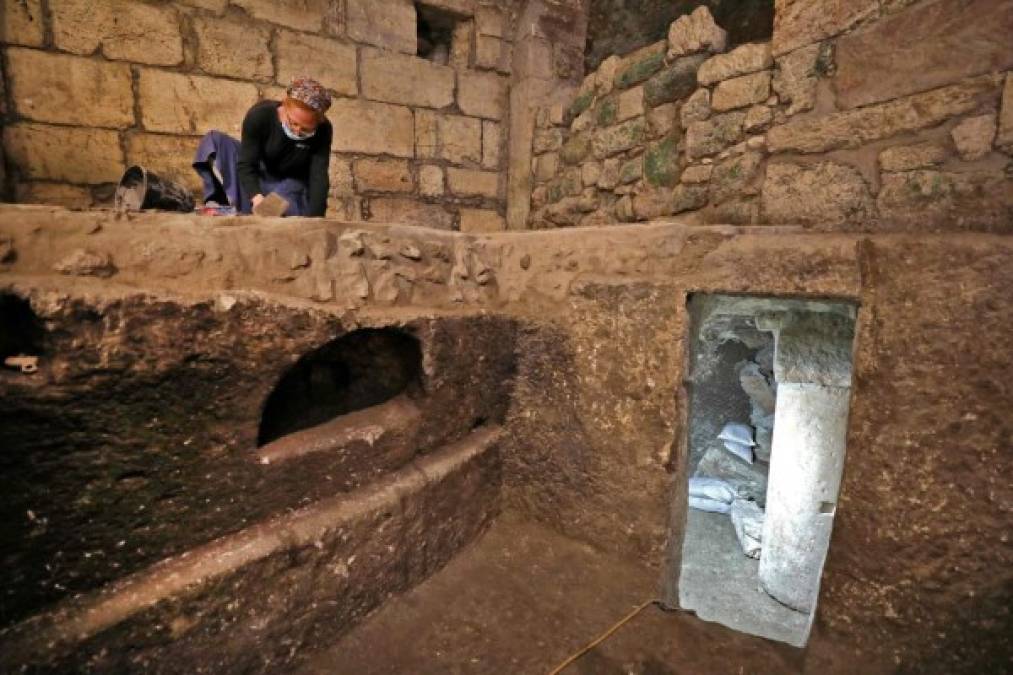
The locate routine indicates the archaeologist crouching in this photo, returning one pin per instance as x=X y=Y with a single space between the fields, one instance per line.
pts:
x=285 y=150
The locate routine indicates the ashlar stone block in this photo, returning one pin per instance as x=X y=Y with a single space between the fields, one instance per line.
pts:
x=65 y=154
x=21 y=23
x=330 y=61
x=406 y=80
x=372 y=128
x=66 y=89
x=234 y=48
x=389 y=24
x=192 y=104
x=470 y=183
x=482 y=94
x=304 y=15
x=124 y=30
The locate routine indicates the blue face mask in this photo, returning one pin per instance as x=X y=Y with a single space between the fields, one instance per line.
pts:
x=295 y=136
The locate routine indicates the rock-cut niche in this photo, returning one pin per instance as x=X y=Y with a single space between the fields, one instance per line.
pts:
x=356 y=371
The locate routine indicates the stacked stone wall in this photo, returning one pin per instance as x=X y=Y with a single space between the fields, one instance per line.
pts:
x=92 y=87
x=887 y=116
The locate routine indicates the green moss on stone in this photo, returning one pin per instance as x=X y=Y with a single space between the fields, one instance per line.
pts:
x=631 y=171
x=576 y=149
x=661 y=163
x=579 y=105
x=555 y=192
x=673 y=83
x=640 y=71
x=607 y=112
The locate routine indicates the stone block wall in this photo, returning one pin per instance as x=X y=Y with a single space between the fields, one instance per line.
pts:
x=885 y=116
x=92 y=87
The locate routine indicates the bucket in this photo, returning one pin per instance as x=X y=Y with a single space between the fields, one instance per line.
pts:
x=140 y=189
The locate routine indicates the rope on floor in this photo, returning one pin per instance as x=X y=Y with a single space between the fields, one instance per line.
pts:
x=601 y=638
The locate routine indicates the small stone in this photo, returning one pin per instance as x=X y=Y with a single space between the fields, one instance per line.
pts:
x=431 y=181
x=539 y=197
x=546 y=166
x=748 y=58
x=353 y=243
x=740 y=92
x=547 y=140
x=606 y=75
x=700 y=173
x=795 y=78
x=525 y=261
x=224 y=302
x=697 y=107
x=738 y=211
x=641 y=65
x=758 y=118
x=621 y=137
x=609 y=178
x=661 y=163
x=827 y=193
x=576 y=149
x=973 y=137
x=630 y=104
x=84 y=263
x=756 y=142
x=695 y=32
x=583 y=121
x=675 y=82
x=735 y=177
x=714 y=135
x=410 y=252
x=910 y=157
x=688 y=198
x=631 y=171
x=624 y=209
x=652 y=203
x=661 y=120
x=590 y=173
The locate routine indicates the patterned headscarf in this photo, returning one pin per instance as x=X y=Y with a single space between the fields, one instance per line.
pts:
x=310 y=93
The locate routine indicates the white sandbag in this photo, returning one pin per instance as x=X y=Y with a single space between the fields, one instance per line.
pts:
x=712 y=505
x=711 y=488
x=748 y=480
x=737 y=433
x=743 y=452
x=747 y=519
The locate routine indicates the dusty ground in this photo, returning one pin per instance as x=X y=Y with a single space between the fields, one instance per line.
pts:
x=522 y=600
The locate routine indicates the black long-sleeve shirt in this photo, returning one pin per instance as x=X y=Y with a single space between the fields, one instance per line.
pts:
x=265 y=141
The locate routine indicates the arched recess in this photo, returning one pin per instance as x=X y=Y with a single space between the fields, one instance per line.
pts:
x=356 y=371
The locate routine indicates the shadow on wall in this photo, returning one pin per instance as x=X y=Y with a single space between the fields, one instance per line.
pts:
x=622 y=26
x=357 y=371
x=21 y=331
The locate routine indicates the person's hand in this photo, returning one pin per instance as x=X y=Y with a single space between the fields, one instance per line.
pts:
x=256 y=200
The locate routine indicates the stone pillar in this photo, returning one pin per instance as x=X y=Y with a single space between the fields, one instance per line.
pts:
x=812 y=366
x=544 y=29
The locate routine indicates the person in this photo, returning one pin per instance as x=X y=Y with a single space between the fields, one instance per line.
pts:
x=285 y=149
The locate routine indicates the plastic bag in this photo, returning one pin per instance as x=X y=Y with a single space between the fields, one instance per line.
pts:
x=747 y=519
x=743 y=452
x=712 y=505
x=711 y=488
x=737 y=433
x=748 y=480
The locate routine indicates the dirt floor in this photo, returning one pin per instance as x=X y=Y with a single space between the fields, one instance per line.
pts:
x=522 y=600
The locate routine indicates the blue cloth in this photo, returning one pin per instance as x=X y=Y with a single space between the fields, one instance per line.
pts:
x=222 y=178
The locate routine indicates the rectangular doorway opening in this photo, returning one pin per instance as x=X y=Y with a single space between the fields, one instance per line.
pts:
x=769 y=382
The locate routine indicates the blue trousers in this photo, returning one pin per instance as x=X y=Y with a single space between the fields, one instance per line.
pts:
x=217 y=164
